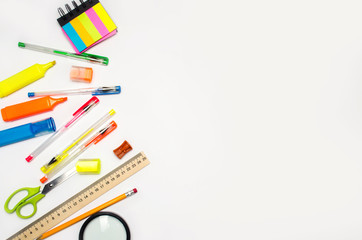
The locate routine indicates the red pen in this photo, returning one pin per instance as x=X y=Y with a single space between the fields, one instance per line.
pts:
x=76 y=116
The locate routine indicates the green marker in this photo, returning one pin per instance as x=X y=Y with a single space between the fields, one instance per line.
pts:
x=83 y=56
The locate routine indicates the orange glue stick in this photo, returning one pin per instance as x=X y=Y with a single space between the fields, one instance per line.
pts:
x=33 y=107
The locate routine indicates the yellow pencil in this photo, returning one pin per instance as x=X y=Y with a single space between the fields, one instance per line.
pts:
x=87 y=214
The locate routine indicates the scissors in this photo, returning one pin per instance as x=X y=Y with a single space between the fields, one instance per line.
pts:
x=33 y=197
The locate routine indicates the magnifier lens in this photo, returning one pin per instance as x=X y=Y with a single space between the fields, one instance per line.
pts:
x=105 y=226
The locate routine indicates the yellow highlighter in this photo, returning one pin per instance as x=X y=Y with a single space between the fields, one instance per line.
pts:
x=23 y=78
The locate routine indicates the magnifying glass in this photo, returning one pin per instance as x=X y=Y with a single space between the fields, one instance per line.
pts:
x=106 y=226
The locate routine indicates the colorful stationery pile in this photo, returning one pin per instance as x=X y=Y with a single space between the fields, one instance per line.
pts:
x=86 y=25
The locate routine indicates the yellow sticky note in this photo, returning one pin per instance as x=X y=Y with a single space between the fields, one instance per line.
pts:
x=105 y=18
x=90 y=28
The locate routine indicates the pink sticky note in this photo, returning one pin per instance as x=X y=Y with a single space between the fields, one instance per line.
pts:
x=97 y=22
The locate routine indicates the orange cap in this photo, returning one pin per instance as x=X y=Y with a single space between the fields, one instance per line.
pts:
x=29 y=108
x=44 y=179
x=103 y=133
x=81 y=74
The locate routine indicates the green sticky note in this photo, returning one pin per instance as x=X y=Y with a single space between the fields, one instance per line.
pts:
x=89 y=26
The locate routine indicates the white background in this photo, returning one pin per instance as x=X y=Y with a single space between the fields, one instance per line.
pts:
x=249 y=111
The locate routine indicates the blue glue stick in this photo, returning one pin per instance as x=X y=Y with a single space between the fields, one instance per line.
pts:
x=26 y=131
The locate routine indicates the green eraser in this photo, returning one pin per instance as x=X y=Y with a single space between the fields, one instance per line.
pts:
x=20 y=44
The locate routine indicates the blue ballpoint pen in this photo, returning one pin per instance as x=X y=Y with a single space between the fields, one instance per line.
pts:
x=93 y=91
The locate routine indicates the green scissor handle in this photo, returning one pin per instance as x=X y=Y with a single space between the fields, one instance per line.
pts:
x=28 y=199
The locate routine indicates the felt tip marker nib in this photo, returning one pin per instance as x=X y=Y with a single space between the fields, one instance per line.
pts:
x=48 y=65
x=29 y=158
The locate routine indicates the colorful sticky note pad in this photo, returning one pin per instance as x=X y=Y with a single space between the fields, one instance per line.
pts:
x=86 y=25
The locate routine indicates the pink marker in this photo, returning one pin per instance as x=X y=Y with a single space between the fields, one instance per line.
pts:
x=76 y=116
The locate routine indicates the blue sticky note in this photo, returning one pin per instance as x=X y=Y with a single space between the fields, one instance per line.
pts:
x=74 y=37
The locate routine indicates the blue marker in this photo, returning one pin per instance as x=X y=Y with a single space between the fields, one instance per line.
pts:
x=27 y=131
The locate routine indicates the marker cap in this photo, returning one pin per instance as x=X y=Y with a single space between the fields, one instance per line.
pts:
x=43 y=127
x=88 y=166
x=26 y=131
x=91 y=101
x=43 y=179
x=110 y=128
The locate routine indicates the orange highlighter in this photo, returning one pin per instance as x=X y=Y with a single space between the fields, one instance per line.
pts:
x=33 y=107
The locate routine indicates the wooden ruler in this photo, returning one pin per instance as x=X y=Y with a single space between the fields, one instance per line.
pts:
x=81 y=199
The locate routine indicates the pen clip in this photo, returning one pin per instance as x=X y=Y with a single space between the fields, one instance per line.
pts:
x=96 y=58
x=107 y=90
x=102 y=133
x=87 y=105
x=82 y=110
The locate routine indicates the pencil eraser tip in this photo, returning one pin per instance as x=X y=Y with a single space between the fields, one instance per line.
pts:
x=63 y=99
x=135 y=190
x=29 y=158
